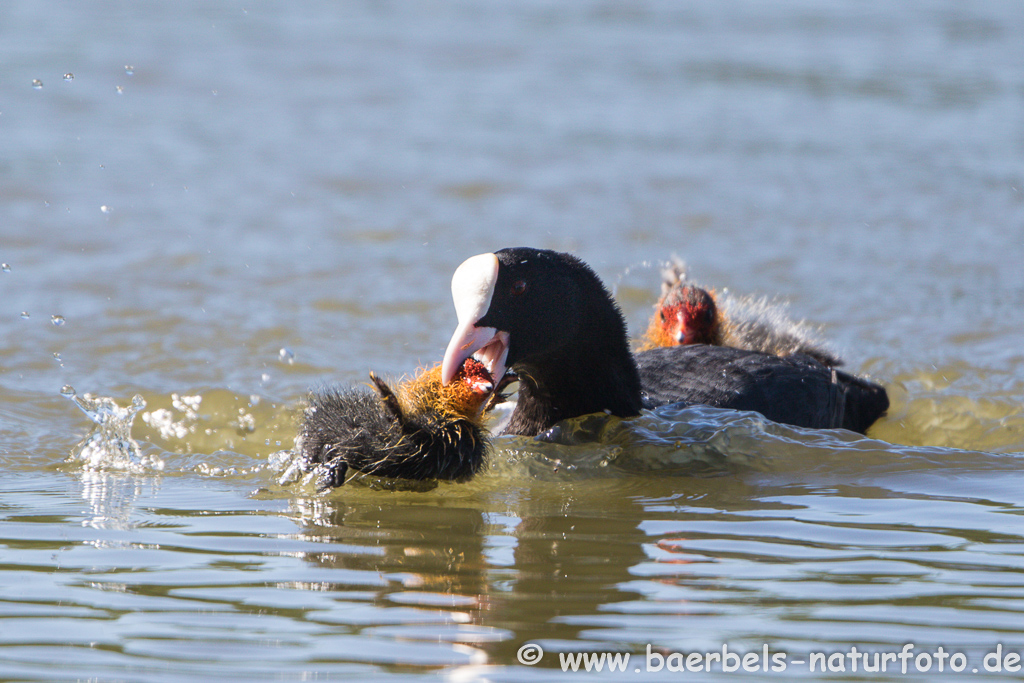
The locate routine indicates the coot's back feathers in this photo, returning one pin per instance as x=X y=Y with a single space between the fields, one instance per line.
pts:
x=793 y=389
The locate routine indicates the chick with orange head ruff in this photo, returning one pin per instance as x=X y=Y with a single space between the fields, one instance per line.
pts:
x=422 y=429
x=685 y=314
x=689 y=314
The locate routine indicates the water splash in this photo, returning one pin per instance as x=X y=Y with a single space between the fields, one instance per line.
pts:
x=163 y=420
x=286 y=355
x=187 y=404
x=110 y=446
x=290 y=467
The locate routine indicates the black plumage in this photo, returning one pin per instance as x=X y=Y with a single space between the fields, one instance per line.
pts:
x=422 y=431
x=794 y=389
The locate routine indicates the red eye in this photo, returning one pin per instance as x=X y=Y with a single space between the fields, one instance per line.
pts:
x=519 y=288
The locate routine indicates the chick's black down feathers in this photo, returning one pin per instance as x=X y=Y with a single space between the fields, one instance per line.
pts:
x=372 y=433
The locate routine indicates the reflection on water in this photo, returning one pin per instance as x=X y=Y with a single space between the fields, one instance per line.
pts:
x=111 y=497
x=495 y=571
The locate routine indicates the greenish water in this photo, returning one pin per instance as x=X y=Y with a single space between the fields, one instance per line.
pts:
x=273 y=197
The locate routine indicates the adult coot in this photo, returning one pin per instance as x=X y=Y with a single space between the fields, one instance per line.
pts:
x=546 y=316
x=689 y=314
x=422 y=430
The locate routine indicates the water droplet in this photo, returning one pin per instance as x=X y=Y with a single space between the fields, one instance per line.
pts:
x=120 y=90
x=129 y=69
x=105 y=209
x=57 y=320
x=67 y=390
x=69 y=76
x=265 y=377
x=5 y=267
x=286 y=356
x=24 y=315
x=37 y=84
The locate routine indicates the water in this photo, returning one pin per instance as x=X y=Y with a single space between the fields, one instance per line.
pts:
x=229 y=204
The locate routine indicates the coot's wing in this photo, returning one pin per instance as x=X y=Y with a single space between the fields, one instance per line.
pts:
x=795 y=390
